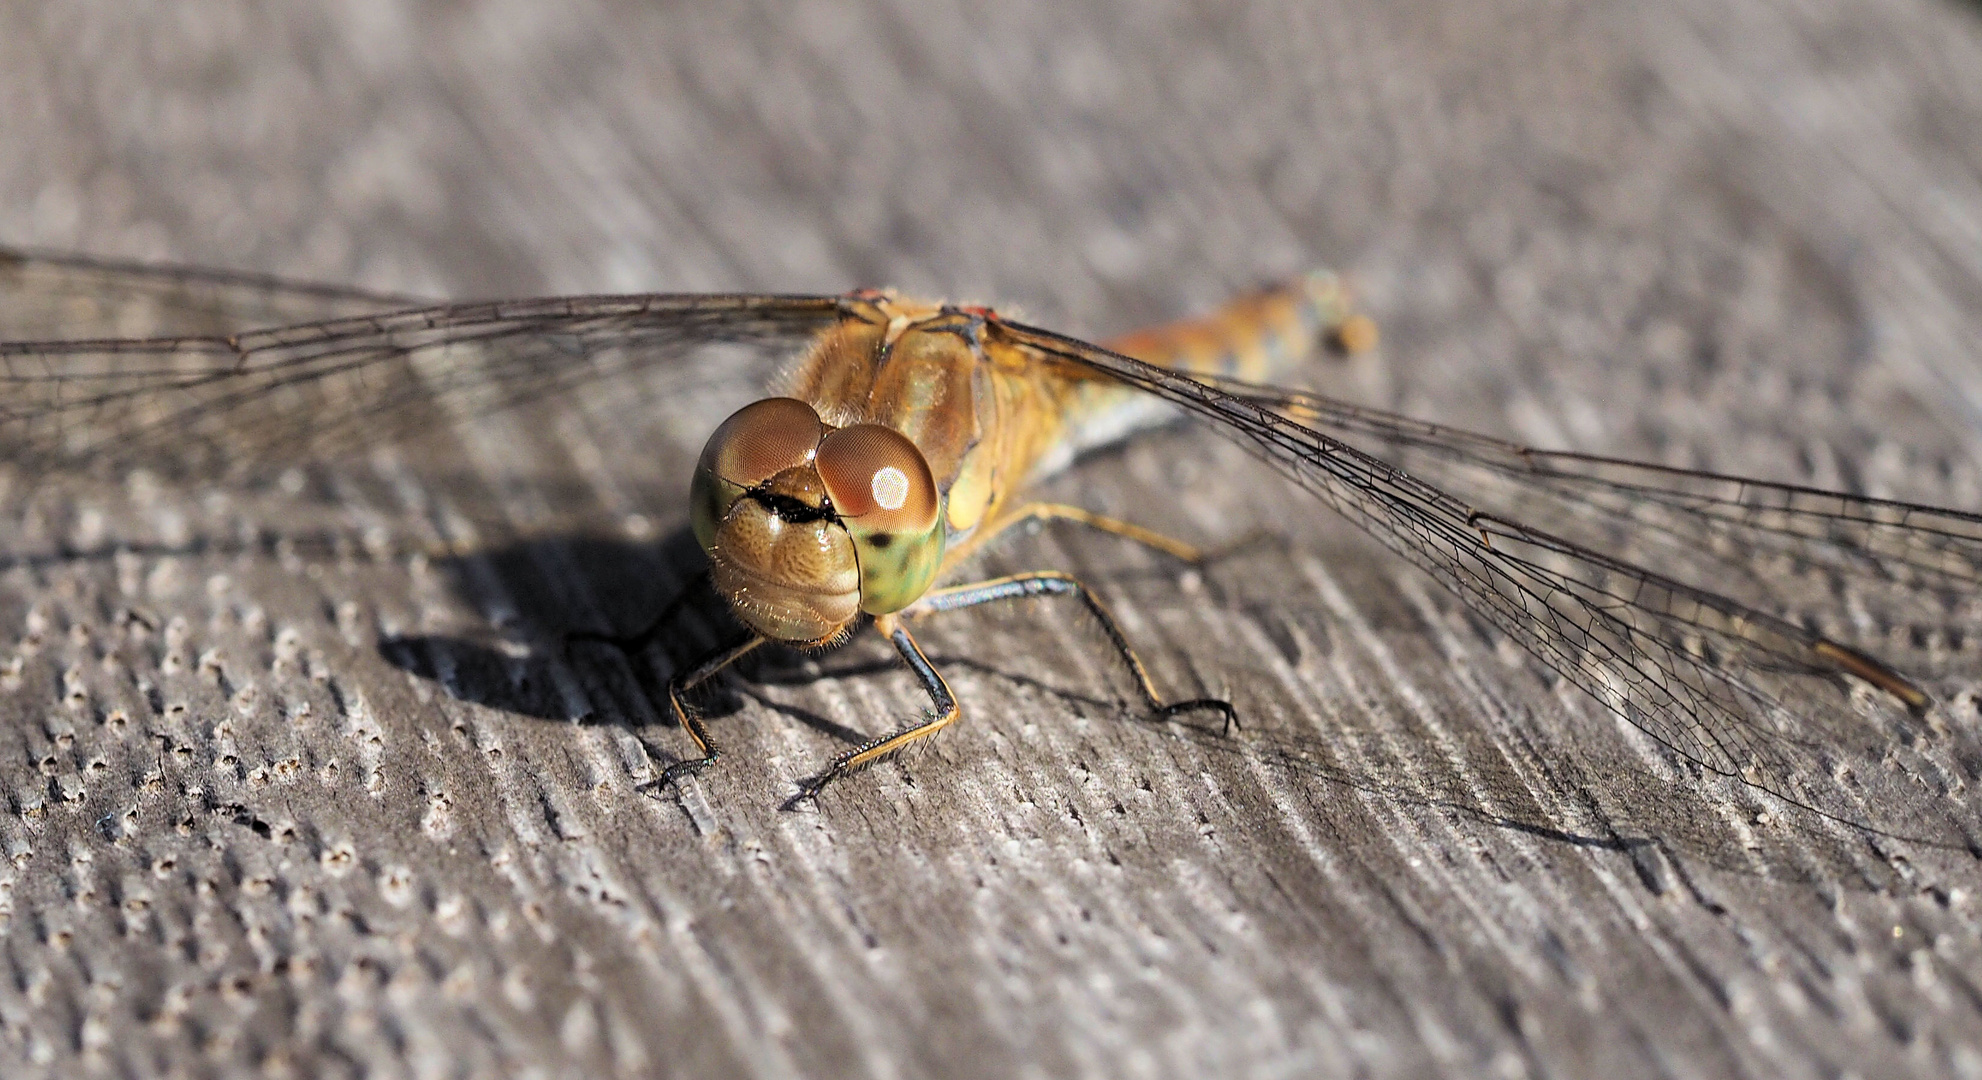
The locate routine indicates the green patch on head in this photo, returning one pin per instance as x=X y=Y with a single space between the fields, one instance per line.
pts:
x=895 y=568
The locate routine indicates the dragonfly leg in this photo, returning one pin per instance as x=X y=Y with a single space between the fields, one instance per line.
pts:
x=691 y=720
x=1149 y=538
x=631 y=645
x=945 y=713
x=1040 y=511
x=1055 y=583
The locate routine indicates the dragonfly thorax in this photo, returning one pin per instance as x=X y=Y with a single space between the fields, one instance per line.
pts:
x=807 y=526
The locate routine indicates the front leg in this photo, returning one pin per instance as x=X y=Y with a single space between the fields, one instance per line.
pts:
x=945 y=713
x=691 y=720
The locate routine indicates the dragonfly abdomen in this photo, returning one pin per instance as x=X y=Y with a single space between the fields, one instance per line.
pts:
x=1258 y=338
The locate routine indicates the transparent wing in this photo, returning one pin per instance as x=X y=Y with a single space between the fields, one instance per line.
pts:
x=225 y=403
x=1715 y=646
x=48 y=296
x=1909 y=571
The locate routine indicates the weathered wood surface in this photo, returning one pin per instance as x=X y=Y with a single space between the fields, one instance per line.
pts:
x=328 y=813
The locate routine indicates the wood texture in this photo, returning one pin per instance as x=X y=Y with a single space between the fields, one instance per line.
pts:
x=330 y=812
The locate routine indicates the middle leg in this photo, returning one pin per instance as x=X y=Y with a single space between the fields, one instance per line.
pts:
x=1055 y=583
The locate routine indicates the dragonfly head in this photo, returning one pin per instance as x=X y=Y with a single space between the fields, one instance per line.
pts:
x=807 y=526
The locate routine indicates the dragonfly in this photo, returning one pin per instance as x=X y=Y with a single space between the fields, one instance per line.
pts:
x=1743 y=625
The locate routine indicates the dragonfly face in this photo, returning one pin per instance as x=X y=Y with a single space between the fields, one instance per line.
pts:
x=807 y=526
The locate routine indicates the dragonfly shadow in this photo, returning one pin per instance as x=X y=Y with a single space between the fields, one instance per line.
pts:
x=548 y=590
x=1656 y=830
x=563 y=597
x=559 y=597
x=1669 y=828
x=546 y=593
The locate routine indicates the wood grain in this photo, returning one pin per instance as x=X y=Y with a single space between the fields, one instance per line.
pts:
x=293 y=779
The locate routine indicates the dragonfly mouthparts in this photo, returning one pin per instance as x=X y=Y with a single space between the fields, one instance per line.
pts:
x=796 y=511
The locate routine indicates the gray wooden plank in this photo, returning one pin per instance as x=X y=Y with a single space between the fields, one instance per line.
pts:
x=1735 y=236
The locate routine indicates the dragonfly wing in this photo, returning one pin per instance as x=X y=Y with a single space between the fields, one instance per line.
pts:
x=49 y=296
x=1735 y=689
x=1909 y=570
x=228 y=403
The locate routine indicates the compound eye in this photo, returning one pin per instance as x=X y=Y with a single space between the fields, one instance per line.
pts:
x=761 y=440
x=878 y=480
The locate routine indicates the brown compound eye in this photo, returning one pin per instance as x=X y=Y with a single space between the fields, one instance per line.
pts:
x=878 y=480
x=761 y=440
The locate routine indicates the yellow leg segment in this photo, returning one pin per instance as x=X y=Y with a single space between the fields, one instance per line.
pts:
x=1055 y=583
x=945 y=713
x=688 y=718
x=1013 y=587
x=1038 y=511
x=1148 y=538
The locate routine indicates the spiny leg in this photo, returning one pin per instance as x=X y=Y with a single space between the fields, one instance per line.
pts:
x=631 y=645
x=688 y=718
x=1017 y=586
x=1149 y=538
x=945 y=713
x=1040 y=511
x=1055 y=583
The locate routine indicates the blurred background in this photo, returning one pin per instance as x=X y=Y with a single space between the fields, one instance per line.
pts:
x=1741 y=236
